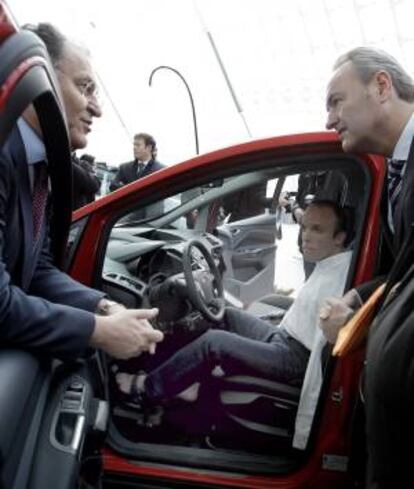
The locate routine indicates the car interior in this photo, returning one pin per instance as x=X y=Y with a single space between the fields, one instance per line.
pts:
x=158 y=256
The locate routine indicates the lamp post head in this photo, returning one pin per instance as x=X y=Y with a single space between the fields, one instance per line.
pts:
x=189 y=94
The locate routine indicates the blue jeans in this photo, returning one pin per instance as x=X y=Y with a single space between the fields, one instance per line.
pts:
x=248 y=346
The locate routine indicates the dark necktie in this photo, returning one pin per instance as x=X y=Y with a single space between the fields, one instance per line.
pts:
x=39 y=197
x=140 y=169
x=395 y=168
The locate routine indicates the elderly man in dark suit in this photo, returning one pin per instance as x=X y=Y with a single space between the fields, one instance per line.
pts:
x=41 y=308
x=143 y=164
x=370 y=103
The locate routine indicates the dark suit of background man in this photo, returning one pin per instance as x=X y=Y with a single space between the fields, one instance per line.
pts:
x=370 y=103
x=86 y=184
x=144 y=163
x=41 y=308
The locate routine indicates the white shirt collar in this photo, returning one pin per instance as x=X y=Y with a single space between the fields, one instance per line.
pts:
x=145 y=163
x=33 y=145
x=327 y=263
x=402 y=148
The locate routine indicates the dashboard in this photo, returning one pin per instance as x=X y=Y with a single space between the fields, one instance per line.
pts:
x=140 y=260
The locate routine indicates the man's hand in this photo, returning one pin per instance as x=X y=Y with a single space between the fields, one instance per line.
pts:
x=107 y=307
x=334 y=313
x=126 y=334
x=298 y=214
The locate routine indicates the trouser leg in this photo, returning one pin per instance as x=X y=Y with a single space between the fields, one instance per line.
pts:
x=236 y=355
x=247 y=325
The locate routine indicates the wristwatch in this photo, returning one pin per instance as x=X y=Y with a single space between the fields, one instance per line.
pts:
x=104 y=306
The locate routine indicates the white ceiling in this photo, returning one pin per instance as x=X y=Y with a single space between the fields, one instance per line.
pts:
x=278 y=55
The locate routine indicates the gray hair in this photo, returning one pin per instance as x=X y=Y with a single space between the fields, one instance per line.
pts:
x=368 y=61
x=54 y=41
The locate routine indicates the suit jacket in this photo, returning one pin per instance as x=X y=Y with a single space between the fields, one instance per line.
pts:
x=326 y=185
x=398 y=251
x=404 y=210
x=41 y=308
x=128 y=172
x=246 y=203
x=85 y=183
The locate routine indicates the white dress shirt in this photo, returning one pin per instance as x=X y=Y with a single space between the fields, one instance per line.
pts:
x=301 y=321
x=327 y=279
x=33 y=146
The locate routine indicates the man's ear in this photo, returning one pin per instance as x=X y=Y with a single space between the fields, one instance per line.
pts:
x=340 y=239
x=383 y=84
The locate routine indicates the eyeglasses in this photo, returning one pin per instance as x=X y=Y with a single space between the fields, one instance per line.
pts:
x=88 y=88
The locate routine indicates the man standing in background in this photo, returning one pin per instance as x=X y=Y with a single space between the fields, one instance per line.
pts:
x=143 y=164
x=86 y=183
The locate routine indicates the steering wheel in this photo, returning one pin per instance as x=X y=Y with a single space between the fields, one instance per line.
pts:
x=204 y=287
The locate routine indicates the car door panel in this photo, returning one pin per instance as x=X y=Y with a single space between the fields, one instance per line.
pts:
x=65 y=423
x=45 y=418
x=24 y=382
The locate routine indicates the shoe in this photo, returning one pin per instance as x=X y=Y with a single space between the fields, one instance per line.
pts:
x=142 y=419
x=147 y=414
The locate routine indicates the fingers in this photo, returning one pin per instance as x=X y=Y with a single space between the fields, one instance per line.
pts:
x=152 y=337
x=326 y=309
x=135 y=333
x=325 y=312
x=352 y=299
x=143 y=313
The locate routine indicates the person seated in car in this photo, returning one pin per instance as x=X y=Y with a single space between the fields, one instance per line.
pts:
x=327 y=185
x=248 y=345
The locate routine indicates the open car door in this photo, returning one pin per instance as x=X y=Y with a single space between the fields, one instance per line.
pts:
x=223 y=439
x=46 y=408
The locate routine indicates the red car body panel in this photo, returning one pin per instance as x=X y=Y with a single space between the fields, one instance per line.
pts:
x=333 y=437
x=7 y=23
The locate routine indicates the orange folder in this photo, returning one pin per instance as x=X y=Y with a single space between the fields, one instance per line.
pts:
x=356 y=329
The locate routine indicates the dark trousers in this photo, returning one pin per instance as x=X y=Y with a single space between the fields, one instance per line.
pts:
x=248 y=346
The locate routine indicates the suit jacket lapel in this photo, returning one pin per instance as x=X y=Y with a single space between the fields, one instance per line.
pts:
x=385 y=227
x=147 y=169
x=133 y=169
x=400 y=217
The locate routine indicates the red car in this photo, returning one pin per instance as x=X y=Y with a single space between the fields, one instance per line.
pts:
x=61 y=425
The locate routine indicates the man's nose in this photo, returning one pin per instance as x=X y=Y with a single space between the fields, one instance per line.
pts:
x=304 y=236
x=94 y=108
x=331 y=121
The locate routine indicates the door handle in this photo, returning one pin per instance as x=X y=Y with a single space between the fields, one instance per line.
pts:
x=78 y=432
x=68 y=426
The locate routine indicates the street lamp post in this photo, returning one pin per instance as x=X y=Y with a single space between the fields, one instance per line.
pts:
x=164 y=67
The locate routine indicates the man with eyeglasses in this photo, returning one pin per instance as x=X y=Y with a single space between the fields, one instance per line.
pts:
x=41 y=308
